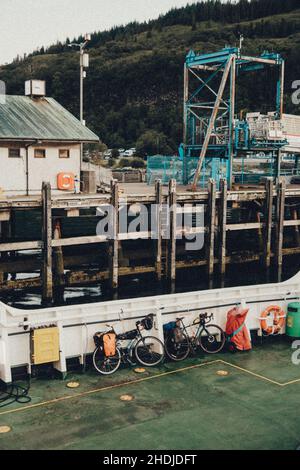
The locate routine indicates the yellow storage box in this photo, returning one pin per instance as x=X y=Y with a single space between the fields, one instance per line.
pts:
x=45 y=345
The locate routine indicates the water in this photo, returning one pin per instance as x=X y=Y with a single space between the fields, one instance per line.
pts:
x=146 y=285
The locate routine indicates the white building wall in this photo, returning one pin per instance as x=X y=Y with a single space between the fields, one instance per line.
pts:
x=47 y=169
x=13 y=170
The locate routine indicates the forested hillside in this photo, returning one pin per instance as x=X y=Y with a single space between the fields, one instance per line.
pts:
x=135 y=79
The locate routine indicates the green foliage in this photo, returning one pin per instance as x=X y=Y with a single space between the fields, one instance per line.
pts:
x=133 y=90
x=152 y=142
x=115 y=153
x=124 y=162
x=111 y=162
x=137 y=163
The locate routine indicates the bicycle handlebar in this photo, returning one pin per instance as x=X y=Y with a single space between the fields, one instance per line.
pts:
x=203 y=316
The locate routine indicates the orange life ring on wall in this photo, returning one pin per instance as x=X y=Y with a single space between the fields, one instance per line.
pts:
x=278 y=320
x=66 y=181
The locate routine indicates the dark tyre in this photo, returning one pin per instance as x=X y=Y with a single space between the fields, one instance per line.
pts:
x=106 y=365
x=212 y=339
x=149 y=351
x=177 y=350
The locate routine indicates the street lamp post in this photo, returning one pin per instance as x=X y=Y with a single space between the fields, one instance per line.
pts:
x=84 y=63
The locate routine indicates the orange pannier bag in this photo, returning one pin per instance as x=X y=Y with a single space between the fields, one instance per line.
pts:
x=109 y=344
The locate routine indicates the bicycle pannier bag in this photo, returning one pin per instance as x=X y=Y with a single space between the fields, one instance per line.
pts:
x=98 y=340
x=147 y=322
x=109 y=344
x=178 y=336
x=169 y=326
x=132 y=334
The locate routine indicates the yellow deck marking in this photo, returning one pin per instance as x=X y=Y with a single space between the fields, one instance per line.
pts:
x=103 y=389
x=259 y=376
x=144 y=379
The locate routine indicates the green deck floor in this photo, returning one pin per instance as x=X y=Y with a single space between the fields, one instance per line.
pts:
x=192 y=408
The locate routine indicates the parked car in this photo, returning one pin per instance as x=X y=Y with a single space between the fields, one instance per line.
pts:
x=128 y=153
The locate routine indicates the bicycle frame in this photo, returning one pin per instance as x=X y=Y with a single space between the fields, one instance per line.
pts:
x=126 y=352
x=193 y=340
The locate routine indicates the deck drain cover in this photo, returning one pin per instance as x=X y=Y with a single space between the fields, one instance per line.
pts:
x=73 y=384
x=4 y=429
x=222 y=373
x=139 y=370
x=126 y=397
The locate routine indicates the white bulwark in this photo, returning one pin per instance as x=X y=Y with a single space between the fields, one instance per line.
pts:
x=78 y=323
x=39 y=141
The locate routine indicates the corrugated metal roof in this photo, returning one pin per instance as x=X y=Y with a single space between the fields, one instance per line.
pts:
x=22 y=117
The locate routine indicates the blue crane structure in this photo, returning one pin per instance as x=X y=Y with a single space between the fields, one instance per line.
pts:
x=213 y=136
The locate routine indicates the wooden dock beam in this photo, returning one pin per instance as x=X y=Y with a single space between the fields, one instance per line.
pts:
x=222 y=226
x=171 y=242
x=158 y=200
x=211 y=224
x=268 y=213
x=113 y=250
x=46 y=273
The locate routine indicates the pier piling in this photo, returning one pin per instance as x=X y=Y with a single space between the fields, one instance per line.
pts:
x=113 y=250
x=210 y=235
x=171 y=242
x=158 y=201
x=46 y=273
x=280 y=224
x=58 y=257
x=222 y=226
x=268 y=209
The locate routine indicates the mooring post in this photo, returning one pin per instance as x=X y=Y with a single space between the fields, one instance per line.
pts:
x=222 y=225
x=278 y=168
x=268 y=209
x=47 y=280
x=158 y=211
x=1 y=254
x=5 y=237
x=58 y=257
x=171 y=243
x=294 y=216
x=279 y=224
x=259 y=232
x=211 y=224
x=113 y=250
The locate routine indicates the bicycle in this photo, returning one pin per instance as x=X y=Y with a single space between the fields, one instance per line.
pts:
x=209 y=337
x=146 y=350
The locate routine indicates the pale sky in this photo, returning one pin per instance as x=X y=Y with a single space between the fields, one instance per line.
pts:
x=28 y=24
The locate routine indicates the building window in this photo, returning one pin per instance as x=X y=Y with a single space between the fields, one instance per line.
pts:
x=39 y=153
x=64 y=153
x=14 y=153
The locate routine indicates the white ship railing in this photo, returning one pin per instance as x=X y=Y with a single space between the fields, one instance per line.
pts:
x=78 y=323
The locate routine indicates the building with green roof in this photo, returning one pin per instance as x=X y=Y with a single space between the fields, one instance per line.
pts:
x=39 y=141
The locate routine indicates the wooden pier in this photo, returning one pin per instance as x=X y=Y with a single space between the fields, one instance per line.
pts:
x=272 y=210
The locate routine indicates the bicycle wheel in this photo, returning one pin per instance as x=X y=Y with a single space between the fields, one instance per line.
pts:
x=212 y=339
x=177 y=350
x=149 y=351
x=106 y=365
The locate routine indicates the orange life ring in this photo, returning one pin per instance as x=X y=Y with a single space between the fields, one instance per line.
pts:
x=278 y=320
